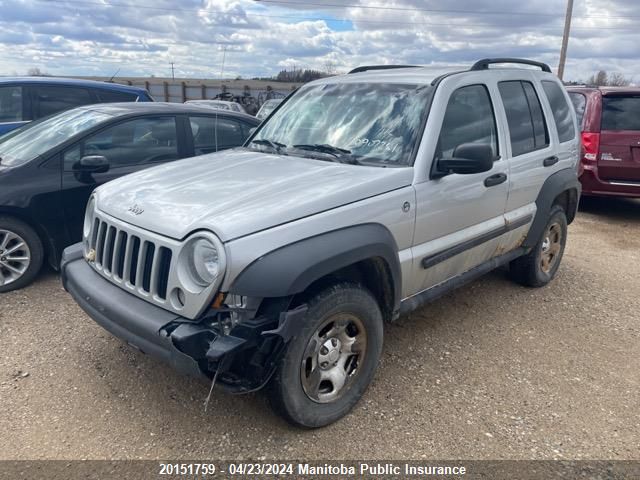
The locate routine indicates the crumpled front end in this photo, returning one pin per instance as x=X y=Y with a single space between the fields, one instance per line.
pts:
x=242 y=353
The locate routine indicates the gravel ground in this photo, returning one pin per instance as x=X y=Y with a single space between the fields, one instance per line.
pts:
x=491 y=371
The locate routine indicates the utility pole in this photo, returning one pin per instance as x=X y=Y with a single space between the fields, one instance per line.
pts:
x=173 y=76
x=565 y=38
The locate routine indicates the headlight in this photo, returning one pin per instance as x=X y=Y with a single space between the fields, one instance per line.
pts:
x=202 y=262
x=88 y=217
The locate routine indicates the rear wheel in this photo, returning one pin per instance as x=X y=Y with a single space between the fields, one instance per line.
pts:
x=538 y=268
x=330 y=363
x=21 y=254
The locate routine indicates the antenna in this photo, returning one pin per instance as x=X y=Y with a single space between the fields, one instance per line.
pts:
x=114 y=75
x=173 y=76
x=224 y=54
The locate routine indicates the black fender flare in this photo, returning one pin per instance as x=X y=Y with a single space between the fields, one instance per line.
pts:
x=290 y=269
x=562 y=181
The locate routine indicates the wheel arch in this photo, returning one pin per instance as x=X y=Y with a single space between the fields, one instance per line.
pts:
x=366 y=254
x=562 y=188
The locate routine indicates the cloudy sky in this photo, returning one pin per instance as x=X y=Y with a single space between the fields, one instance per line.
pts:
x=142 y=37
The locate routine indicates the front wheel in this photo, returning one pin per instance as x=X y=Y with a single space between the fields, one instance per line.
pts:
x=330 y=363
x=21 y=254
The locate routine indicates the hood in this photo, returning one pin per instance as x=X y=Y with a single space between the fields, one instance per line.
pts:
x=239 y=192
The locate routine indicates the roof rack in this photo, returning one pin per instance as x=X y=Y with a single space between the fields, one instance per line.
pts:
x=484 y=63
x=366 y=68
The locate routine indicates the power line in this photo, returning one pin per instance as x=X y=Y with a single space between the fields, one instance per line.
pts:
x=434 y=10
x=332 y=19
x=471 y=12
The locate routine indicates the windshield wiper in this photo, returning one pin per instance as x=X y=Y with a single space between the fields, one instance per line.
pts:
x=341 y=154
x=277 y=146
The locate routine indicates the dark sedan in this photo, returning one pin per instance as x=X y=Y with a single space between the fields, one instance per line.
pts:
x=49 y=168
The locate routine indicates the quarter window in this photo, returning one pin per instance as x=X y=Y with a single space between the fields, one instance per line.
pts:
x=579 y=105
x=106 y=96
x=10 y=104
x=527 y=127
x=134 y=142
x=562 y=113
x=469 y=118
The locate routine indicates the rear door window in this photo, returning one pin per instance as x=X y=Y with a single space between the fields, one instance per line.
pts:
x=621 y=112
x=579 y=102
x=51 y=99
x=562 y=113
x=11 y=104
x=527 y=126
x=211 y=134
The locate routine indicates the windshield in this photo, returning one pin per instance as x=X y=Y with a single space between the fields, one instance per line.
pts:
x=359 y=123
x=267 y=108
x=40 y=136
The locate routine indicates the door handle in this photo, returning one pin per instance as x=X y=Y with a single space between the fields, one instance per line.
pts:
x=550 y=161
x=494 y=180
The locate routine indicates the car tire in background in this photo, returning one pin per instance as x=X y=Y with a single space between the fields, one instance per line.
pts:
x=539 y=266
x=21 y=254
x=332 y=360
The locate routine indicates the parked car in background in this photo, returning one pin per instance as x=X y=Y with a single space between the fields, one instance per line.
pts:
x=219 y=104
x=23 y=99
x=49 y=168
x=268 y=107
x=361 y=198
x=609 y=118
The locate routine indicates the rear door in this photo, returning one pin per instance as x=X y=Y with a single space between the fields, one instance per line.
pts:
x=214 y=133
x=620 y=137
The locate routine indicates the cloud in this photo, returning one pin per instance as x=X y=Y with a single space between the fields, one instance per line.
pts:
x=95 y=37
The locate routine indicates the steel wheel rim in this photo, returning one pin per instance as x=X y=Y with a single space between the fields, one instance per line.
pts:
x=15 y=257
x=333 y=358
x=551 y=246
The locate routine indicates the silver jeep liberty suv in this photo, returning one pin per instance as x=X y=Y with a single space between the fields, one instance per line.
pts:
x=360 y=198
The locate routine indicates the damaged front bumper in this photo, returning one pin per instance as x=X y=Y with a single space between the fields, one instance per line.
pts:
x=242 y=360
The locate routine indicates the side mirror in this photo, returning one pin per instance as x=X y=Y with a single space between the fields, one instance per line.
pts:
x=468 y=158
x=92 y=164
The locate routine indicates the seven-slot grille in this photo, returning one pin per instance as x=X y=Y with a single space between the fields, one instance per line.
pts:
x=128 y=259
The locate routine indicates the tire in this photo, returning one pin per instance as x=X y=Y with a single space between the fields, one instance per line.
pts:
x=21 y=254
x=292 y=391
x=539 y=266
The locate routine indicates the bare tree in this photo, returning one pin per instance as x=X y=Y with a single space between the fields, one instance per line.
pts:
x=618 y=80
x=36 y=72
x=602 y=79
x=330 y=67
x=599 y=79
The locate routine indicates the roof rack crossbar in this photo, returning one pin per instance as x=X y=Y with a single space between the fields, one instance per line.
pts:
x=366 y=68
x=484 y=63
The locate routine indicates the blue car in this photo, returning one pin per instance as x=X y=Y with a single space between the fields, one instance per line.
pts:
x=23 y=99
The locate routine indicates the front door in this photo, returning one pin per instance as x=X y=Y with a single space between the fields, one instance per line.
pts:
x=128 y=147
x=460 y=217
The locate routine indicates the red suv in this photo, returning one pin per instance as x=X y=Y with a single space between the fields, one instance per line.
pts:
x=610 y=123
